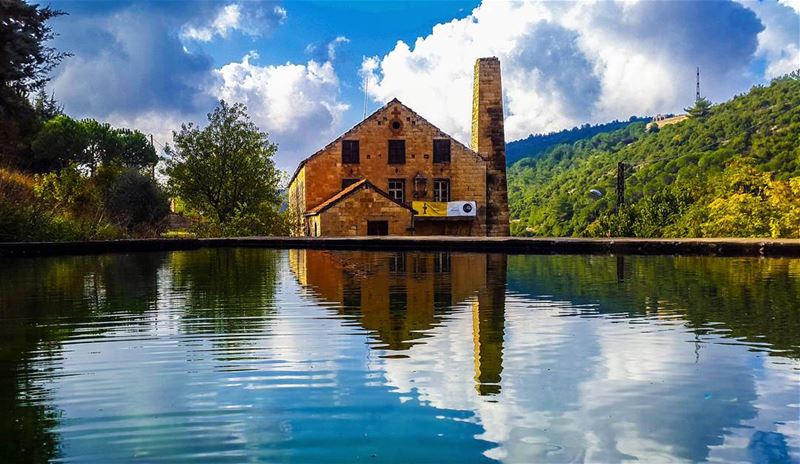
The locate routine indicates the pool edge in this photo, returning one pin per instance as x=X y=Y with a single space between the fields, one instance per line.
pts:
x=510 y=245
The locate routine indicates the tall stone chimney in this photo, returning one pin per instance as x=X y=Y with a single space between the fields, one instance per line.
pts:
x=488 y=139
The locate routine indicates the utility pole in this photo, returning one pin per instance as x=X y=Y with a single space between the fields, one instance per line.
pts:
x=153 y=168
x=620 y=185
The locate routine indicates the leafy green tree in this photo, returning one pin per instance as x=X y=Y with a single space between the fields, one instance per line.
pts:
x=135 y=150
x=102 y=144
x=700 y=109
x=653 y=216
x=225 y=170
x=46 y=107
x=91 y=144
x=60 y=141
x=25 y=61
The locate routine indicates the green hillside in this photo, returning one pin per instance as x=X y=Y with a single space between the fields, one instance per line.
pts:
x=536 y=144
x=733 y=172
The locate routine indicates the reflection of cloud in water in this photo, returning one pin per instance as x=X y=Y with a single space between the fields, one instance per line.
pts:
x=233 y=352
x=601 y=390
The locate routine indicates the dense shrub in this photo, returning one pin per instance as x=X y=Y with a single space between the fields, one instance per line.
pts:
x=266 y=221
x=136 y=202
x=744 y=202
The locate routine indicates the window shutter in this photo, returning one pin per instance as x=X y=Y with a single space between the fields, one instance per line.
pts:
x=397 y=151
x=350 y=152
x=441 y=151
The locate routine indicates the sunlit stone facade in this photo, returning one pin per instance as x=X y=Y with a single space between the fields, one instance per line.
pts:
x=410 y=168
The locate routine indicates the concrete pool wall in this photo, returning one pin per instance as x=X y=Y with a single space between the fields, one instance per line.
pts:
x=510 y=245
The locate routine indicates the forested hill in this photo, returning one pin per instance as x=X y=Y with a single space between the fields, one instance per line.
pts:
x=536 y=144
x=733 y=170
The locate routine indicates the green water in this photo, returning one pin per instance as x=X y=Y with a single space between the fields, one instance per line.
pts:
x=313 y=356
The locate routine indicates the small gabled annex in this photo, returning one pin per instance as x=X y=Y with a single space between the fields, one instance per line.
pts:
x=380 y=214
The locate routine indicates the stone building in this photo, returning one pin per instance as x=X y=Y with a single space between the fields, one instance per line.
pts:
x=395 y=173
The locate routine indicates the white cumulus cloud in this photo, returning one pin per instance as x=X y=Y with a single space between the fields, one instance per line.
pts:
x=566 y=63
x=249 y=19
x=779 y=42
x=226 y=20
x=298 y=104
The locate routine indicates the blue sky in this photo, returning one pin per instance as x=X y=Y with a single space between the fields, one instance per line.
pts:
x=300 y=67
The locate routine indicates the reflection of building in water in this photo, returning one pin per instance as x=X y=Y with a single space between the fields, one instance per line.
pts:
x=400 y=296
x=488 y=322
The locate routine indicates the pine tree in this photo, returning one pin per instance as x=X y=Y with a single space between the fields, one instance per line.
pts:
x=700 y=109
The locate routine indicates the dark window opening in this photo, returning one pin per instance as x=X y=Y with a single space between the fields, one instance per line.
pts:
x=397 y=151
x=377 y=227
x=351 y=296
x=441 y=190
x=397 y=189
x=441 y=262
x=396 y=125
x=350 y=152
x=397 y=262
x=441 y=151
x=398 y=300
x=348 y=182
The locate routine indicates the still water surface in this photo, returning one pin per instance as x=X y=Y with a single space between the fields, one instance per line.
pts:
x=315 y=356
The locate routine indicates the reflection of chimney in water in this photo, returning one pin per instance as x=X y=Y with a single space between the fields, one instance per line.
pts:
x=488 y=324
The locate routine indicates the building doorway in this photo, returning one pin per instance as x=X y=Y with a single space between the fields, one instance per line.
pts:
x=377 y=227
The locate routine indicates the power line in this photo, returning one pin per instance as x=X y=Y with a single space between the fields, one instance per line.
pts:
x=154 y=141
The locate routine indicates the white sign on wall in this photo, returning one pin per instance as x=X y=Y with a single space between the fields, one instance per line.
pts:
x=462 y=208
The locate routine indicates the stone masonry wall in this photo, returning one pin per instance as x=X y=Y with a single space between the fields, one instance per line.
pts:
x=488 y=139
x=297 y=203
x=467 y=170
x=349 y=216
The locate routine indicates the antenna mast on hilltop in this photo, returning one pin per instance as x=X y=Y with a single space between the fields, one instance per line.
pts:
x=697 y=92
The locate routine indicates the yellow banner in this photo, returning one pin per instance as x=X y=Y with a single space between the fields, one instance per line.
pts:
x=430 y=208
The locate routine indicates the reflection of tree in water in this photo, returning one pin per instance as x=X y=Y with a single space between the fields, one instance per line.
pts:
x=226 y=291
x=754 y=298
x=76 y=290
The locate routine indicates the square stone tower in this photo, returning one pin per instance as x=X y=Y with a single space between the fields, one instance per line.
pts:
x=488 y=139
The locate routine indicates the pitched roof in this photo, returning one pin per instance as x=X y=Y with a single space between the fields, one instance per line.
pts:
x=349 y=190
x=368 y=118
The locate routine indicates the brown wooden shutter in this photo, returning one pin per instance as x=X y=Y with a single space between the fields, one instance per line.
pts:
x=441 y=151
x=397 y=151
x=350 y=153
